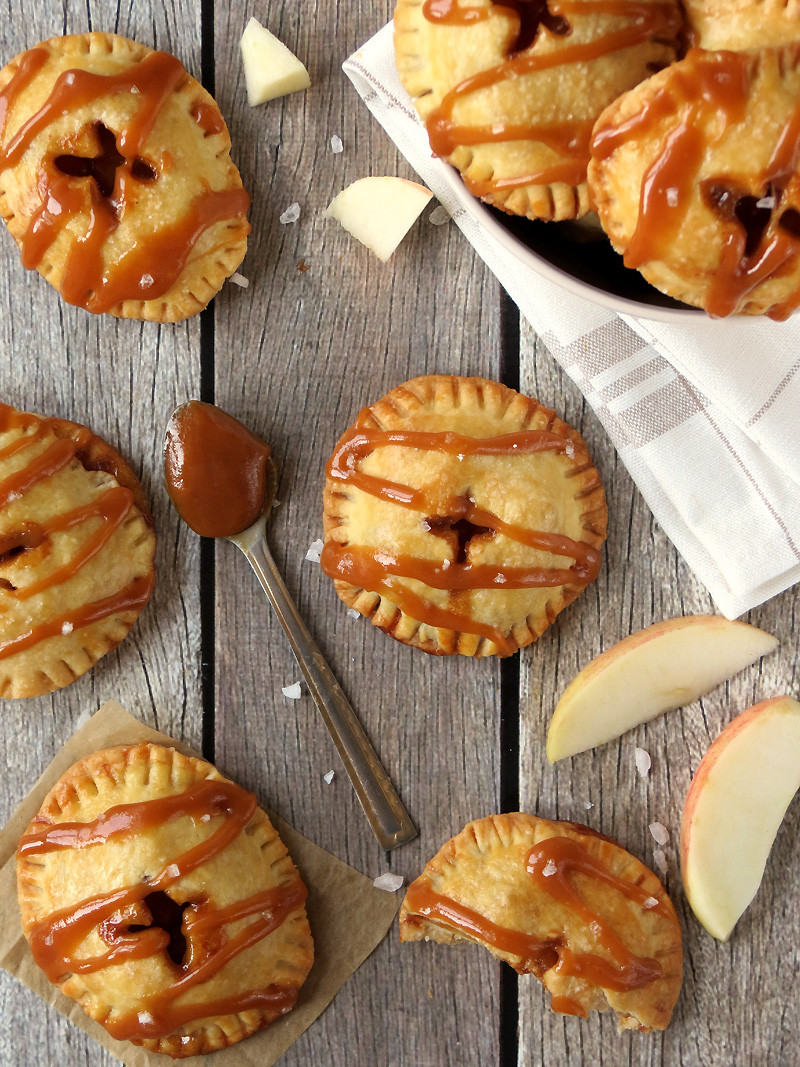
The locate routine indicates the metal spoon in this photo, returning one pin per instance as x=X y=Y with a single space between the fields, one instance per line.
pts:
x=387 y=816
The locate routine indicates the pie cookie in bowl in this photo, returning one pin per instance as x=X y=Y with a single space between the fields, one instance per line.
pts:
x=562 y=902
x=158 y=895
x=76 y=551
x=116 y=179
x=509 y=91
x=694 y=175
x=461 y=516
x=741 y=25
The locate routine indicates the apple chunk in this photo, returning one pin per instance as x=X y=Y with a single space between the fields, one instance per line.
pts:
x=379 y=211
x=652 y=671
x=270 y=69
x=734 y=808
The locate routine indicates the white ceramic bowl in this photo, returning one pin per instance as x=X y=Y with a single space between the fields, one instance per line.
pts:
x=589 y=269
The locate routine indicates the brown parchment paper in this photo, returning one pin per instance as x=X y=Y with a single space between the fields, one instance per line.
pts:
x=348 y=916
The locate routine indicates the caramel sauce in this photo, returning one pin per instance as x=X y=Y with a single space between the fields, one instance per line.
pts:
x=207 y=117
x=375 y=568
x=646 y=21
x=711 y=91
x=122 y=918
x=551 y=865
x=154 y=263
x=111 y=509
x=215 y=470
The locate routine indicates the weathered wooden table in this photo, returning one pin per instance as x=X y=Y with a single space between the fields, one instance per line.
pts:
x=295 y=356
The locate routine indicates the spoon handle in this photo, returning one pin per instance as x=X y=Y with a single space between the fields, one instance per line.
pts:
x=389 y=820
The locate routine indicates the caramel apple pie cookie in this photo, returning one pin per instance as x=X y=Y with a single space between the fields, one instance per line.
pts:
x=115 y=177
x=76 y=551
x=461 y=517
x=158 y=895
x=561 y=902
x=509 y=91
x=694 y=175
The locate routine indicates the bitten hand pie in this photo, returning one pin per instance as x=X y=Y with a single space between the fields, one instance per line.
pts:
x=461 y=516
x=694 y=176
x=115 y=177
x=557 y=900
x=76 y=551
x=509 y=91
x=158 y=895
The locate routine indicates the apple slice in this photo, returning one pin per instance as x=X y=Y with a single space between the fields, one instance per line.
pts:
x=270 y=69
x=379 y=211
x=734 y=808
x=654 y=670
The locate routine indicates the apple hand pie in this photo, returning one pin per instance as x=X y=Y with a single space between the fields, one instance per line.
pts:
x=557 y=900
x=509 y=91
x=115 y=177
x=461 y=516
x=158 y=895
x=76 y=551
x=694 y=176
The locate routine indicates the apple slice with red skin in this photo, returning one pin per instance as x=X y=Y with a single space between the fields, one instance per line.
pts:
x=664 y=666
x=734 y=808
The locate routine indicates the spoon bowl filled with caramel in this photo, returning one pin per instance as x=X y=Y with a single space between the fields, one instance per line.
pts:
x=222 y=482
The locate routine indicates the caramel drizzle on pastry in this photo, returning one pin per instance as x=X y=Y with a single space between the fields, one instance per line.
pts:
x=570 y=139
x=153 y=265
x=374 y=568
x=551 y=865
x=715 y=87
x=122 y=917
x=112 y=507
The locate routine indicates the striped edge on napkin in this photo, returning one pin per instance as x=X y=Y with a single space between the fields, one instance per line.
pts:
x=702 y=414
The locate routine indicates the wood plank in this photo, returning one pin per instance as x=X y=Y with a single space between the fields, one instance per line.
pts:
x=733 y=1004
x=298 y=354
x=122 y=379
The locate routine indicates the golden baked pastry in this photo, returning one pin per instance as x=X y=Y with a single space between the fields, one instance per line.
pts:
x=115 y=177
x=694 y=175
x=76 y=551
x=740 y=25
x=461 y=516
x=509 y=91
x=557 y=900
x=158 y=895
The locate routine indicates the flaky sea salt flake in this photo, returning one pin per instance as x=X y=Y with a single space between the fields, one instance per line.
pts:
x=643 y=762
x=336 y=145
x=291 y=691
x=67 y=628
x=550 y=868
x=314 y=550
x=291 y=214
x=239 y=279
x=651 y=902
x=588 y=805
x=660 y=832
x=353 y=613
x=439 y=216
x=388 y=882
x=328 y=778
x=660 y=861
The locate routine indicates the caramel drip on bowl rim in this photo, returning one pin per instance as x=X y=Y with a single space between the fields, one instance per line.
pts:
x=154 y=263
x=111 y=507
x=552 y=864
x=375 y=569
x=56 y=941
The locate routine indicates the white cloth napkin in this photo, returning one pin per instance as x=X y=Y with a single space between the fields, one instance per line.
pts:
x=704 y=415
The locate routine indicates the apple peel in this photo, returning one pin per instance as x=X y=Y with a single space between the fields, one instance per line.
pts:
x=661 y=667
x=379 y=211
x=734 y=808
